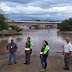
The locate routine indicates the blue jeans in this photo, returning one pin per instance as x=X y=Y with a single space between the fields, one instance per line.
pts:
x=43 y=62
x=10 y=56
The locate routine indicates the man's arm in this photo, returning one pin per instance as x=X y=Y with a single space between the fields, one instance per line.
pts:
x=25 y=44
x=69 y=54
x=7 y=47
x=63 y=51
x=70 y=51
x=16 y=47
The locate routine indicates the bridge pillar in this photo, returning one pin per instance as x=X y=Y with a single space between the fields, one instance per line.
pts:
x=41 y=26
x=54 y=25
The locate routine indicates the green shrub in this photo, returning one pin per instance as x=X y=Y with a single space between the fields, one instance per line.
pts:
x=18 y=29
x=3 y=24
x=66 y=25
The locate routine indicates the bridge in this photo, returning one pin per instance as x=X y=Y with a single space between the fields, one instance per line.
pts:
x=36 y=24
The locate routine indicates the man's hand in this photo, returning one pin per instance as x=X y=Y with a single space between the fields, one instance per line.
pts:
x=63 y=52
x=41 y=55
x=69 y=56
x=28 y=52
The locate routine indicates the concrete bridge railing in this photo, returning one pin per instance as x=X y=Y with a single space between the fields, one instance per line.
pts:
x=34 y=24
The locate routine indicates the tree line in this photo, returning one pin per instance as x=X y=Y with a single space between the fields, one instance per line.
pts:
x=66 y=25
x=3 y=24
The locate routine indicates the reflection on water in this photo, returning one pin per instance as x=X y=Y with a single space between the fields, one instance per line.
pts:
x=55 y=40
x=19 y=39
x=65 y=34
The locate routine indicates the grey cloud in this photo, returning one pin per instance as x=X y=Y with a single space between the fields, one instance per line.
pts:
x=44 y=4
x=40 y=3
x=18 y=1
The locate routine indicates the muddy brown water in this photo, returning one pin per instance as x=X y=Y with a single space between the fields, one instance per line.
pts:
x=54 y=38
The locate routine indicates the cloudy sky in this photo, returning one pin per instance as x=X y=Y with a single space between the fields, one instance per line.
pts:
x=37 y=9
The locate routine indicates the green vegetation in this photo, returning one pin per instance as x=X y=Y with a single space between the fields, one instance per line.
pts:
x=51 y=21
x=18 y=29
x=66 y=25
x=3 y=24
x=37 y=20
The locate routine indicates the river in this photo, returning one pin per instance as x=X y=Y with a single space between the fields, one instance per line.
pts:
x=55 y=39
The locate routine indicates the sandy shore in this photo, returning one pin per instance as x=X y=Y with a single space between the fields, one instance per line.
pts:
x=55 y=63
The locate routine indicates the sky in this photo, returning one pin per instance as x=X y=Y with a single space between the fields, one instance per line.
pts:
x=37 y=9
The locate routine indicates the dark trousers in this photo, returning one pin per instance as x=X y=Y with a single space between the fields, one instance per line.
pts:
x=66 y=60
x=43 y=62
x=27 y=58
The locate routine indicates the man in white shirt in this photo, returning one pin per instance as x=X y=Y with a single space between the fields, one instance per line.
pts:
x=67 y=53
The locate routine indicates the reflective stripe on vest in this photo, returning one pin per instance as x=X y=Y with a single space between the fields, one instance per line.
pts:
x=46 y=49
x=27 y=49
x=41 y=52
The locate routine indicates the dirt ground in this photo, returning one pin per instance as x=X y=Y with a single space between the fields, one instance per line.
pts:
x=54 y=64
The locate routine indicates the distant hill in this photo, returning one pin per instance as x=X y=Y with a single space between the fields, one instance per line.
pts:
x=28 y=18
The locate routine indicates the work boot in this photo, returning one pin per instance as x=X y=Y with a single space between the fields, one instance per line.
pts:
x=9 y=64
x=15 y=63
x=28 y=62
x=25 y=62
x=66 y=68
x=63 y=67
x=43 y=70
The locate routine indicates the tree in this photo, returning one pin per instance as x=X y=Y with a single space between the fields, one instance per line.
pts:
x=3 y=24
x=51 y=21
x=66 y=25
x=37 y=20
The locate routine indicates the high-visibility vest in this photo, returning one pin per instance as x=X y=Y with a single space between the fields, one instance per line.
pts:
x=31 y=44
x=45 y=50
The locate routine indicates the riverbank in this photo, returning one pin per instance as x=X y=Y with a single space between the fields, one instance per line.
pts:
x=55 y=63
x=5 y=33
x=64 y=31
